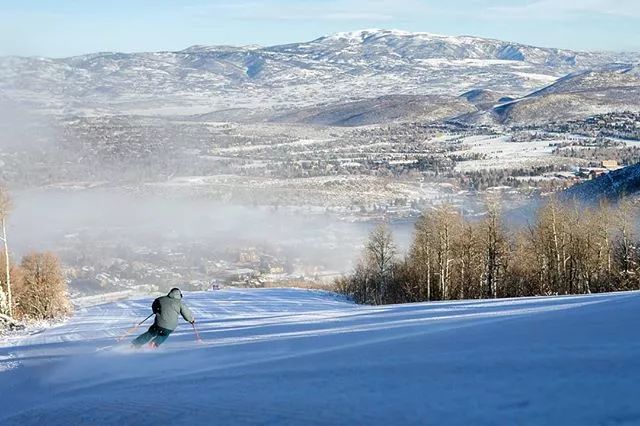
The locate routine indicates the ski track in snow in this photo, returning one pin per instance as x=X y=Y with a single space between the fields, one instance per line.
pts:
x=285 y=356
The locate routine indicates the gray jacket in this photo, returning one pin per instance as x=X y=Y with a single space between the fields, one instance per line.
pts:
x=168 y=308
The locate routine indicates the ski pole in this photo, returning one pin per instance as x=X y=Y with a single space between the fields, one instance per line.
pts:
x=134 y=328
x=198 y=339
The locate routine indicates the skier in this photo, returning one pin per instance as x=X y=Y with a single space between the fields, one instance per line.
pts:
x=167 y=308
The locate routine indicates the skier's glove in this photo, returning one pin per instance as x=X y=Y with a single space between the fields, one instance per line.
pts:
x=193 y=322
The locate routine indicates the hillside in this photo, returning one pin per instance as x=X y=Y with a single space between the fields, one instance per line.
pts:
x=575 y=96
x=302 y=357
x=381 y=110
x=338 y=67
x=611 y=186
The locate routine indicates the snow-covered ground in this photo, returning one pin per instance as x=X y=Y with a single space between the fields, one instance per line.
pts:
x=503 y=154
x=276 y=356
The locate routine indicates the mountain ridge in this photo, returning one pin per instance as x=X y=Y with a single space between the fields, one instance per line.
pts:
x=371 y=32
x=340 y=67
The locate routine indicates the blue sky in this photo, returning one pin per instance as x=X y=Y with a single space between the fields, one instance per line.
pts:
x=69 y=27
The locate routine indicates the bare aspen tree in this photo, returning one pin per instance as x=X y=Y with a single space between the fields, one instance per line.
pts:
x=522 y=276
x=464 y=248
x=6 y=299
x=421 y=255
x=589 y=270
x=556 y=254
x=570 y=249
x=604 y=221
x=549 y=244
x=468 y=252
x=588 y=256
x=494 y=247
x=380 y=255
x=575 y=256
x=590 y=231
x=541 y=244
x=448 y=223
x=625 y=245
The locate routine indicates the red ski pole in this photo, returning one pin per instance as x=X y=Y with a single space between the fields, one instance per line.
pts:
x=198 y=339
x=134 y=328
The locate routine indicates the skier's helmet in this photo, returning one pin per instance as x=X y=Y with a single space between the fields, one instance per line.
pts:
x=175 y=293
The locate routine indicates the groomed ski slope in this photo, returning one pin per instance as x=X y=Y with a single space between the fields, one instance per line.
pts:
x=284 y=356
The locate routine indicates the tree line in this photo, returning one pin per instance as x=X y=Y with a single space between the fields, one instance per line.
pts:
x=34 y=289
x=567 y=249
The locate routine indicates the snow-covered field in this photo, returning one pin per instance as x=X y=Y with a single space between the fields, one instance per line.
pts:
x=502 y=154
x=276 y=356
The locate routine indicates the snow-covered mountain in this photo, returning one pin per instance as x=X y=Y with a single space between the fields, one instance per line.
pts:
x=410 y=47
x=336 y=68
x=578 y=95
x=380 y=110
x=624 y=182
x=278 y=356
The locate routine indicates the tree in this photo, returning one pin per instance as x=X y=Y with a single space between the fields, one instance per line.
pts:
x=373 y=277
x=6 y=299
x=569 y=249
x=421 y=257
x=15 y=277
x=495 y=250
x=467 y=249
x=598 y=229
x=522 y=276
x=355 y=285
x=448 y=223
x=625 y=245
x=548 y=239
x=42 y=293
x=380 y=257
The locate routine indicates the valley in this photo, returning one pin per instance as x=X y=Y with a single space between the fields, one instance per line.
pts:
x=330 y=136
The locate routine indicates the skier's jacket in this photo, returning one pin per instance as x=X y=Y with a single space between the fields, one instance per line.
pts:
x=168 y=308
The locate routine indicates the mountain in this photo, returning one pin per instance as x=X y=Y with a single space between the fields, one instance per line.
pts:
x=285 y=356
x=407 y=47
x=341 y=67
x=384 y=109
x=611 y=186
x=576 y=96
x=483 y=98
